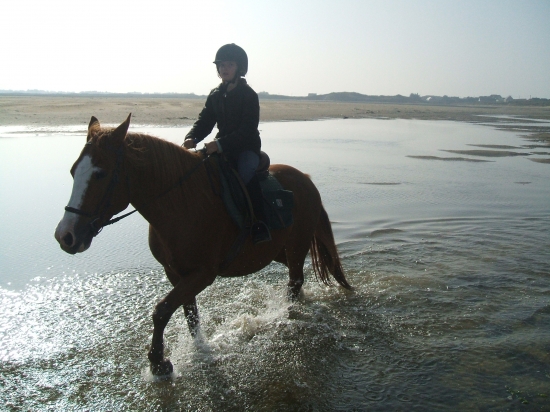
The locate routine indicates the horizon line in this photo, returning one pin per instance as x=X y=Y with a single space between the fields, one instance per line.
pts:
x=309 y=96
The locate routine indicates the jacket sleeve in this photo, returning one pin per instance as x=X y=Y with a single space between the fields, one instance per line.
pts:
x=205 y=122
x=246 y=137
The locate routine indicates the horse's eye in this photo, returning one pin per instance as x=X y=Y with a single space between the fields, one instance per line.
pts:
x=100 y=174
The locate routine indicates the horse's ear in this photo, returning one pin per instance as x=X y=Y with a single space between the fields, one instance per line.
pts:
x=120 y=132
x=93 y=127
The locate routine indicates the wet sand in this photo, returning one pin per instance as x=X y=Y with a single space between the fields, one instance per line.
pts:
x=163 y=111
x=447 y=159
x=487 y=153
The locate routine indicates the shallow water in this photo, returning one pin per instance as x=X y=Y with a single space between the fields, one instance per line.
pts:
x=449 y=260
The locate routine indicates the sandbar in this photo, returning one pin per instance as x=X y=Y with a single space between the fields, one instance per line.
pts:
x=59 y=110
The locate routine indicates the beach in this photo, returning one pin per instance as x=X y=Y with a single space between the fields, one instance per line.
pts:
x=61 y=110
x=441 y=220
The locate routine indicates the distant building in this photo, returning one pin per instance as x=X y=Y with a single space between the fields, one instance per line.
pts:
x=494 y=98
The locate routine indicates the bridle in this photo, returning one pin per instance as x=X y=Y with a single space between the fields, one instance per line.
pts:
x=105 y=203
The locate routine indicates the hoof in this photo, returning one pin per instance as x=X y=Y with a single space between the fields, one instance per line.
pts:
x=194 y=332
x=293 y=293
x=163 y=368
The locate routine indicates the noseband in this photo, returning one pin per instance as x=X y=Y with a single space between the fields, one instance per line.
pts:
x=105 y=203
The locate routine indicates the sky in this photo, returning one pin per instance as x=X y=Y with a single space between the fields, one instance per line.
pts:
x=295 y=47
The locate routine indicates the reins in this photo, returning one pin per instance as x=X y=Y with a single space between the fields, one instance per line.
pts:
x=114 y=180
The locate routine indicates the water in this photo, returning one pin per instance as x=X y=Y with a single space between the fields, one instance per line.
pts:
x=449 y=261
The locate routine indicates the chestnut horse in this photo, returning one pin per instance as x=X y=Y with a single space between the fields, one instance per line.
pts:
x=190 y=233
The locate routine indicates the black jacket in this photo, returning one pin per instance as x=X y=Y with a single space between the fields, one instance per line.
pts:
x=237 y=114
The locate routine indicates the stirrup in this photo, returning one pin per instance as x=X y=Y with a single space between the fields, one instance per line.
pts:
x=260 y=232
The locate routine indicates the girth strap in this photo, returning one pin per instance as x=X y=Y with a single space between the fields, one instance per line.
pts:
x=235 y=248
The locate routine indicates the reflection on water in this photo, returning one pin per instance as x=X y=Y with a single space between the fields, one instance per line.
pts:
x=449 y=262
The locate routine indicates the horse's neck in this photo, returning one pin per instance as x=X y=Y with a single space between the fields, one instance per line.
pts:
x=166 y=179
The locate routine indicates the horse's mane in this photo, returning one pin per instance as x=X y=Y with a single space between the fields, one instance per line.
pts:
x=152 y=152
x=157 y=165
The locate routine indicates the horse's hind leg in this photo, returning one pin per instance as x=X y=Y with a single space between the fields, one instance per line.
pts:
x=295 y=283
x=295 y=262
x=296 y=279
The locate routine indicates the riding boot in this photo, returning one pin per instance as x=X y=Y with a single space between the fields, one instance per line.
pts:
x=260 y=231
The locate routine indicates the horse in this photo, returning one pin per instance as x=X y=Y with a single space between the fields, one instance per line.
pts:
x=190 y=232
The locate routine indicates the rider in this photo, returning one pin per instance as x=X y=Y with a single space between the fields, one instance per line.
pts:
x=235 y=108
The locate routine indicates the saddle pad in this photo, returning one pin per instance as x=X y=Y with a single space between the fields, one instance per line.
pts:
x=278 y=203
x=234 y=199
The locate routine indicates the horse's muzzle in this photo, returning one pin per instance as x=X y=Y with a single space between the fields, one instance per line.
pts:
x=73 y=237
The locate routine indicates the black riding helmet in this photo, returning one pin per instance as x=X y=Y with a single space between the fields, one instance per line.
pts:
x=232 y=52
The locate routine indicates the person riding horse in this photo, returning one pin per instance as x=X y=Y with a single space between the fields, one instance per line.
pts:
x=191 y=236
x=235 y=108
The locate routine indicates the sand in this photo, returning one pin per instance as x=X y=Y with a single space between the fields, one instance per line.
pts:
x=65 y=110
x=44 y=111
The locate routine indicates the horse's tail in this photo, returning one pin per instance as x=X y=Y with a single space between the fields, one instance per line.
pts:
x=324 y=255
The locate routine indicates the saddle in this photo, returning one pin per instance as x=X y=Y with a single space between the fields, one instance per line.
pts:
x=278 y=202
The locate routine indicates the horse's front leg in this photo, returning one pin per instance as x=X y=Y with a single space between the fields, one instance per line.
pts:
x=159 y=365
x=192 y=316
x=183 y=294
x=190 y=308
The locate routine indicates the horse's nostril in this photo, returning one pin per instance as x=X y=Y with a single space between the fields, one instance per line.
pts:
x=68 y=239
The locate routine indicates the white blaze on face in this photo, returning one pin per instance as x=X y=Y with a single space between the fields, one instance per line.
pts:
x=82 y=176
x=66 y=231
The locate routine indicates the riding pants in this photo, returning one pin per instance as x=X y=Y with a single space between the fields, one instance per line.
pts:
x=247 y=163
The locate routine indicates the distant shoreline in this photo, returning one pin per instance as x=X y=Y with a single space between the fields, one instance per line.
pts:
x=413 y=98
x=47 y=110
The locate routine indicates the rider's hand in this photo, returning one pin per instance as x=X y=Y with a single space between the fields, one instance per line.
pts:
x=211 y=147
x=189 y=143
